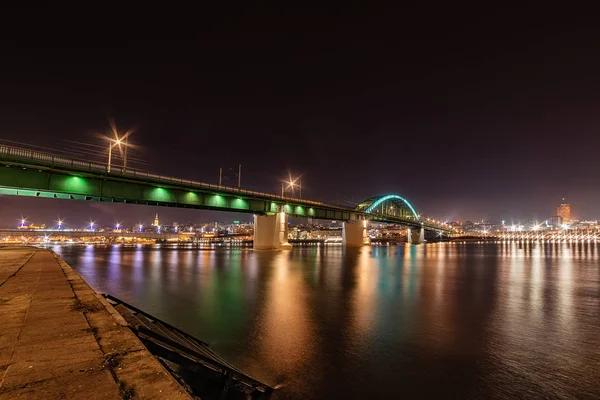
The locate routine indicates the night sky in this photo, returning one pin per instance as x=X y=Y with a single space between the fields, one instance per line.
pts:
x=490 y=117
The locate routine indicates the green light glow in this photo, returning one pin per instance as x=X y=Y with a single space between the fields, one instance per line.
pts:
x=191 y=198
x=240 y=204
x=75 y=184
x=390 y=197
x=216 y=201
x=160 y=194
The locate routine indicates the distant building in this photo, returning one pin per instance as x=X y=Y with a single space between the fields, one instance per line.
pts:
x=556 y=221
x=564 y=211
x=156 y=223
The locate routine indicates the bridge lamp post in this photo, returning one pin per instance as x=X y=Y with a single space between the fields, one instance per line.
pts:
x=294 y=184
x=110 y=146
x=291 y=184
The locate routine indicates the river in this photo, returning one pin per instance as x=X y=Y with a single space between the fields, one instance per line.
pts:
x=446 y=320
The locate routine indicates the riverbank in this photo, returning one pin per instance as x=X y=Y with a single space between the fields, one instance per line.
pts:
x=60 y=339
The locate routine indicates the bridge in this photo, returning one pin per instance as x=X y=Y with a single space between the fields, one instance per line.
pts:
x=32 y=173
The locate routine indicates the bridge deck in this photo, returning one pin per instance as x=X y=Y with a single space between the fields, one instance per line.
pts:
x=33 y=173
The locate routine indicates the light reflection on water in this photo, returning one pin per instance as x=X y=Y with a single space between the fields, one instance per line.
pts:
x=439 y=320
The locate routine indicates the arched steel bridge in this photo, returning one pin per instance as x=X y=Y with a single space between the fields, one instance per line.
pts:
x=38 y=174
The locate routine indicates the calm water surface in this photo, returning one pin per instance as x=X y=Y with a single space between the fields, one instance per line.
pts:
x=465 y=321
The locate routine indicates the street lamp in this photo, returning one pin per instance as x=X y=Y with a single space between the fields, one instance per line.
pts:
x=22 y=224
x=141 y=226
x=291 y=184
x=92 y=225
x=118 y=226
x=116 y=142
x=59 y=223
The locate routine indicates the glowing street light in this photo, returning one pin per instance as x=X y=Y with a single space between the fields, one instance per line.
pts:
x=291 y=184
x=22 y=222
x=118 y=226
x=59 y=223
x=92 y=224
x=141 y=226
x=117 y=141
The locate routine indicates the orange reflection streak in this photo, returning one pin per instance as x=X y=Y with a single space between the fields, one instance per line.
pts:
x=364 y=297
x=437 y=307
x=440 y=276
x=287 y=339
x=565 y=286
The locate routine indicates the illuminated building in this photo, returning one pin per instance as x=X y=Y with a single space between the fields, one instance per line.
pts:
x=564 y=211
x=156 y=220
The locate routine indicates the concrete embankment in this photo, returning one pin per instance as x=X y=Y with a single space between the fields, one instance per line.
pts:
x=60 y=340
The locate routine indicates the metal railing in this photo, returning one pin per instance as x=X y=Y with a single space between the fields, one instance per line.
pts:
x=22 y=154
x=57 y=160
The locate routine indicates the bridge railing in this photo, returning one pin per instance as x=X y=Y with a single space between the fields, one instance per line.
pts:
x=54 y=159
x=59 y=160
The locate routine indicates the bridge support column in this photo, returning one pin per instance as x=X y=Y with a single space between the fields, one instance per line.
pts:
x=354 y=234
x=416 y=236
x=271 y=232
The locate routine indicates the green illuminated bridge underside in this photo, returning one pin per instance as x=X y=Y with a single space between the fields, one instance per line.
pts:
x=30 y=173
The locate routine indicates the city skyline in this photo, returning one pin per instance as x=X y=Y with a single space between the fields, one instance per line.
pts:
x=107 y=215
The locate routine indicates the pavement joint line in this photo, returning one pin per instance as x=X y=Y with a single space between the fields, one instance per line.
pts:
x=105 y=356
x=12 y=353
x=84 y=313
x=18 y=269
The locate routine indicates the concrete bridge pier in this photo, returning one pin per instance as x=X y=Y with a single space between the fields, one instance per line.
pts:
x=416 y=236
x=271 y=232
x=354 y=234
